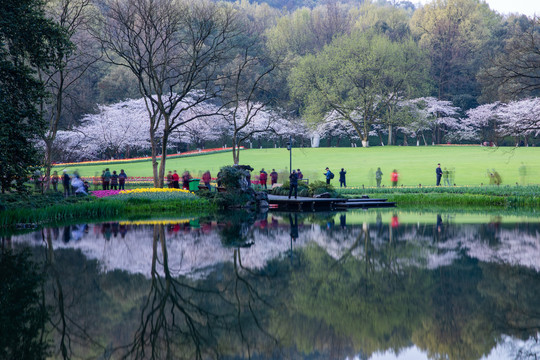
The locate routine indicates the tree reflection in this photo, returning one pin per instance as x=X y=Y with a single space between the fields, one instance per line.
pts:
x=22 y=312
x=185 y=319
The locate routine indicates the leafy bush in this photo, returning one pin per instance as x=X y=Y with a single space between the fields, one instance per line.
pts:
x=315 y=188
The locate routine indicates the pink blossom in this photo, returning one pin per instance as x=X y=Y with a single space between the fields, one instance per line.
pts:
x=104 y=193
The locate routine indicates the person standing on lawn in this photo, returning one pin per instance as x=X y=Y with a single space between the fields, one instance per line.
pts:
x=438 y=172
x=263 y=178
x=293 y=184
x=122 y=177
x=169 y=180
x=273 y=177
x=378 y=177
x=300 y=175
x=329 y=176
x=342 y=182
x=394 y=178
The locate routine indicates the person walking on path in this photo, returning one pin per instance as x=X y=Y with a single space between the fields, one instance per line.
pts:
x=206 y=178
x=263 y=178
x=394 y=178
x=66 y=182
x=106 y=179
x=446 y=177
x=342 y=182
x=378 y=177
x=438 y=172
x=329 y=176
x=176 y=180
x=273 y=177
x=293 y=184
x=122 y=177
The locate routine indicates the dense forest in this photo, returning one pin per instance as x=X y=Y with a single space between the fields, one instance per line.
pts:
x=206 y=73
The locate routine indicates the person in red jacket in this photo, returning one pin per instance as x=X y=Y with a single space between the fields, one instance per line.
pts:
x=263 y=178
x=394 y=178
x=175 y=180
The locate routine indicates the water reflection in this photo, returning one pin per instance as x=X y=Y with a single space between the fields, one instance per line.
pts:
x=293 y=285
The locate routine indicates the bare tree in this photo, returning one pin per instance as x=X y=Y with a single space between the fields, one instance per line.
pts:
x=516 y=72
x=63 y=74
x=244 y=91
x=174 y=48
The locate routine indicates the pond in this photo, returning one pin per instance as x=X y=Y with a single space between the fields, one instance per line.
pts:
x=375 y=284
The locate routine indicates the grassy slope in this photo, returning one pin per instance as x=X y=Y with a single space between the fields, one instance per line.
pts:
x=415 y=164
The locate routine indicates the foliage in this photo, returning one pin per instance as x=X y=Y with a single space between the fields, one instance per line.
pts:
x=358 y=77
x=316 y=187
x=29 y=40
x=22 y=315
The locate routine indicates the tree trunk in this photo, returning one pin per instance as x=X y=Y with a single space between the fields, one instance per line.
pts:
x=163 y=163
x=235 y=150
x=365 y=142
x=154 y=157
x=390 y=140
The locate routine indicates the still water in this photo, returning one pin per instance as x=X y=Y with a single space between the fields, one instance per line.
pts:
x=376 y=284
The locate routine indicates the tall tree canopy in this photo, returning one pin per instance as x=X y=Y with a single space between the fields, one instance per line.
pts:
x=28 y=40
x=359 y=77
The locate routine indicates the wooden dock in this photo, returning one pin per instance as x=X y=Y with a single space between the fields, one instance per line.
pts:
x=307 y=203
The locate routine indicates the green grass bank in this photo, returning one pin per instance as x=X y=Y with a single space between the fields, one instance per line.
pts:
x=416 y=165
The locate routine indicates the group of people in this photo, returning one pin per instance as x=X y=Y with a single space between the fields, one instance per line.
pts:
x=113 y=181
x=173 y=180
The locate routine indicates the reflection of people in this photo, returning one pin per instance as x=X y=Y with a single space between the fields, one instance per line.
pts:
x=439 y=223
x=343 y=220
x=395 y=221
x=294 y=226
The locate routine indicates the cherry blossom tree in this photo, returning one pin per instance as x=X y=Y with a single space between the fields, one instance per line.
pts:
x=520 y=118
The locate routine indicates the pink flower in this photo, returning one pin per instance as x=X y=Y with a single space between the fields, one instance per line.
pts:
x=104 y=193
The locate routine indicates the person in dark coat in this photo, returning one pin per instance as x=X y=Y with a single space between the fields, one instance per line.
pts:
x=122 y=180
x=106 y=179
x=273 y=177
x=438 y=172
x=114 y=180
x=300 y=175
x=66 y=181
x=293 y=184
x=206 y=178
x=328 y=175
x=342 y=182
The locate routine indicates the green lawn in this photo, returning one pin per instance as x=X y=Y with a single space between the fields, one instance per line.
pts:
x=416 y=165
